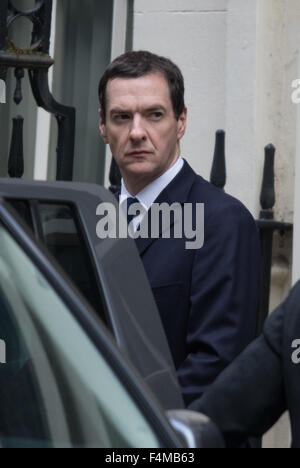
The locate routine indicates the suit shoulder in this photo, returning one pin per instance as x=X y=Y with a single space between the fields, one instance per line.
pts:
x=218 y=204
x=291 y=310
x=293 y=300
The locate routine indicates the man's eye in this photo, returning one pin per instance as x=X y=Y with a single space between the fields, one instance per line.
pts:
x=156 y=115
x=122 y=117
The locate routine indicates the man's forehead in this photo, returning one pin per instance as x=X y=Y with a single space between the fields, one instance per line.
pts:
x=148 y=87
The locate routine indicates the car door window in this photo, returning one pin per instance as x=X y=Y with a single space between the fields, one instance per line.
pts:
x=57 y=226
x=23 y=208
x=56 y=390
x=62 y=237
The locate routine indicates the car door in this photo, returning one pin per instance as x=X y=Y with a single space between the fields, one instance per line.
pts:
x=109 y=273
x=63 y=381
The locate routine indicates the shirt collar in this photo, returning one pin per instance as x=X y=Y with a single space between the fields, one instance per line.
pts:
x=150 y=193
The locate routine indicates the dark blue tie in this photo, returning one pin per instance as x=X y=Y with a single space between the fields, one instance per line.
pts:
x=131 y=201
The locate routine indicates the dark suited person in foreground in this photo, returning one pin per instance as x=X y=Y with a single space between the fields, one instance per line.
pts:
x=260 y=385
x=207 y=297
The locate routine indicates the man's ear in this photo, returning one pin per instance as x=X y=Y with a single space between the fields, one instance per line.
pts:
x=182 y=124
x=102 y=128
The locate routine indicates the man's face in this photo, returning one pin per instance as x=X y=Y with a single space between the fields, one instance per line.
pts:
x=141 y=127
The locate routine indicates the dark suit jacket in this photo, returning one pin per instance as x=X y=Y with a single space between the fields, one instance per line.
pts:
x=207 y=298
x=252 y=393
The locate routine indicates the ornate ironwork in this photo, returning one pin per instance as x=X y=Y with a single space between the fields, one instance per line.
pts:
x=37 y=61
x=65 y=117
x=16 y=158
x=38 y=53
x=19 y=74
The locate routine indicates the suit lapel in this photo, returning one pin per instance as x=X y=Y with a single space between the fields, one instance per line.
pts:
x=176 y=192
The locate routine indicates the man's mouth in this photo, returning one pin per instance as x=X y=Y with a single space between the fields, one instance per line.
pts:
x=139 y=153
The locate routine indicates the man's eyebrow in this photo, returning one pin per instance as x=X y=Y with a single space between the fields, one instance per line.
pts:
x=119 y=110
x=153 y=108
x=156 y=108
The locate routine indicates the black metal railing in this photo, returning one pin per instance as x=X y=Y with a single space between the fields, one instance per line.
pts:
x=218 y=171
x=37 y=61
x=267 y=226
x=266 y=223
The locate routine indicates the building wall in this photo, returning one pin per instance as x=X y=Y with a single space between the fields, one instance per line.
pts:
x=193 y=34
x=296 y=258
x=239 y=60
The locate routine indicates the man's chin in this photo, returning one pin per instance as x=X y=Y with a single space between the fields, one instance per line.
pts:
x=140 y=167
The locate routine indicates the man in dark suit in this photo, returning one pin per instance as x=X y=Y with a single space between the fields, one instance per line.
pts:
x=207 y=297
x=262 y=383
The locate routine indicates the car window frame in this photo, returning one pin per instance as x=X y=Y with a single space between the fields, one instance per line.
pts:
x=34 y=205
x=92 y=326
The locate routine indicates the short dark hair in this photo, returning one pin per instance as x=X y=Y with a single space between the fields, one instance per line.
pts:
x=141 y=63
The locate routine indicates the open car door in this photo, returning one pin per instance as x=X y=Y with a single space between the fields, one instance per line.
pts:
x=108 y=273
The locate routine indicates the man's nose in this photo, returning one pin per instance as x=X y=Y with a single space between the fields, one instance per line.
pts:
x=137 y=131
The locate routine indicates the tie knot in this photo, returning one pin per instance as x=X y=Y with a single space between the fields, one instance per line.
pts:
x=131 y=201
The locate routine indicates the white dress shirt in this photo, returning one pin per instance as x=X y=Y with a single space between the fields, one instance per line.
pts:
x=149 y=194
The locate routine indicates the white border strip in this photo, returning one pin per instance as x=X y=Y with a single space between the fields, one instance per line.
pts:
x=119 y=31
x=43 y=125
x=296 y=253
x=2 y=92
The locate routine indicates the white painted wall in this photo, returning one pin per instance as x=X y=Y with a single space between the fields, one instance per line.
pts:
x=296 y=258
x=238 y=59
x=296 y=252
x=215 y=45
x=193 y=35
